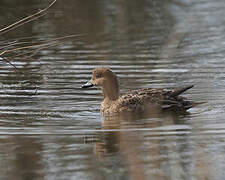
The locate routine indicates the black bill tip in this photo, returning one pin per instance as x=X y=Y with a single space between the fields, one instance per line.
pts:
x=87 y=85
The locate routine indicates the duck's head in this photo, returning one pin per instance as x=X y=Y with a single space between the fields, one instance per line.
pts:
x=105 y=78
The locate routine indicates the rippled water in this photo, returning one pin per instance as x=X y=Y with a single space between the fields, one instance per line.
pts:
x=50 y=128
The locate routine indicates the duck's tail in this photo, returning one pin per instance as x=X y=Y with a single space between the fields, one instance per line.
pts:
x=197 y=103
x=178 y=102
x=179 y=91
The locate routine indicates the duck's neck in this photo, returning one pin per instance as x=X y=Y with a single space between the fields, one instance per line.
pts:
x=111 y=90
x=111 y=95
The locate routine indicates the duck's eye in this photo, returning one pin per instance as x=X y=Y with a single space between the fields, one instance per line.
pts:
x=98 y=75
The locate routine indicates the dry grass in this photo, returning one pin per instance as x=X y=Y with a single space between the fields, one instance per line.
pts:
x=26 y=20
x=25 y=48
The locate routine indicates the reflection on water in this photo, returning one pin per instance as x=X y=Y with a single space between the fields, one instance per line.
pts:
x=50 y=128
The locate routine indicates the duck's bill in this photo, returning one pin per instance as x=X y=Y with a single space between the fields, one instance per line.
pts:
x=87 y=85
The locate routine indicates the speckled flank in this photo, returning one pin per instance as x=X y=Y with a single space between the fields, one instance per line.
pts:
x=137 y=100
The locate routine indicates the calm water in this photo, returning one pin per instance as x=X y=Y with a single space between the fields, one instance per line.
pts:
x=50 y=128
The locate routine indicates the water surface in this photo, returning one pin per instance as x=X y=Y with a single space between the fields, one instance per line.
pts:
x=50 y=128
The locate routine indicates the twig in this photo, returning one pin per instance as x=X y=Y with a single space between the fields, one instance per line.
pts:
x=7 y=61
x=26 y=19
x=22 y=23
x=37 y=50
x=53 y=41
x=15 y=42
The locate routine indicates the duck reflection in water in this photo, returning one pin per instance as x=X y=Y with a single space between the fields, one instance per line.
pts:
x=123 y=138
x=149 y=100
x=115 y=126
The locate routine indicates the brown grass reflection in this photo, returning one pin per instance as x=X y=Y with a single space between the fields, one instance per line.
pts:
x=25 y=160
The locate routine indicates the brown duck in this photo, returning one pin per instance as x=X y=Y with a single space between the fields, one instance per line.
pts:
x=138 y=100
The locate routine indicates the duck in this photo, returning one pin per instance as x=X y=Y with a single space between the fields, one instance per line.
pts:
x=141 y=100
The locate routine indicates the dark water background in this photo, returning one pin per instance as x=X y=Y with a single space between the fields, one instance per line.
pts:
x=58 y=133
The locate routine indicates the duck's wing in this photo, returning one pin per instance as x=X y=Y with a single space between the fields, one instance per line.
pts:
x=180 y=104
x=166 y=99
x=172 y=100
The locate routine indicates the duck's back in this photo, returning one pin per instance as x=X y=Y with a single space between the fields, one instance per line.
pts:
x=163 y=99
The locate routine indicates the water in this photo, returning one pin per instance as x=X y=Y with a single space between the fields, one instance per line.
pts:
x=50 y=128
